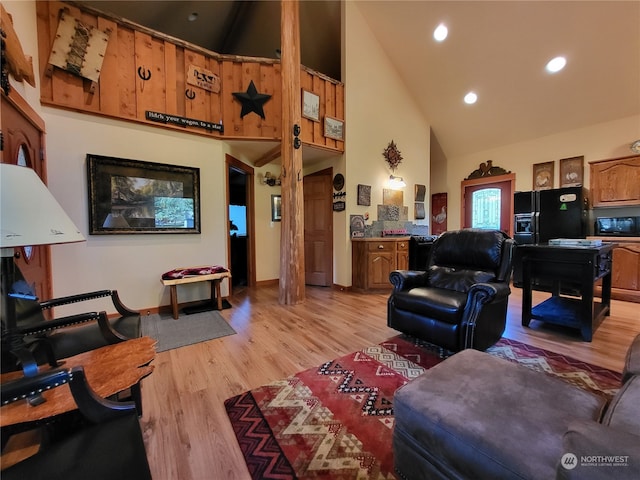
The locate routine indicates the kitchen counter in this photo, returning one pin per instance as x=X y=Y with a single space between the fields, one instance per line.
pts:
x=615 y=239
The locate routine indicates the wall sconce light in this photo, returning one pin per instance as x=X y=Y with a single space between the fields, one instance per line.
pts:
x=396 y=182
x=270 y=179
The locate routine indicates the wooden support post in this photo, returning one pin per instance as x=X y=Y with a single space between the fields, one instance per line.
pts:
x=292 y=290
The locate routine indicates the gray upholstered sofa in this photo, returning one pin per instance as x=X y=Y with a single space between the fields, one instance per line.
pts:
x=475 y=416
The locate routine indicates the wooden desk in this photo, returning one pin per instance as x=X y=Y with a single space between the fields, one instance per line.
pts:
x=581 y=266
x=214 y=278
x=109 y=370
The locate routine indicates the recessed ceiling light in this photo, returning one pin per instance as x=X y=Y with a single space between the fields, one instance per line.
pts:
x=193 y=17
x=470 y=98
x=556 y=64
x=440 y=33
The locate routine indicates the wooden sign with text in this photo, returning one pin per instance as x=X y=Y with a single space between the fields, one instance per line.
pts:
x=202 y=78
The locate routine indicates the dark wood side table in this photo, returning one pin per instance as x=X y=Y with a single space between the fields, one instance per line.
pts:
x=109 y=370
x=581 y=266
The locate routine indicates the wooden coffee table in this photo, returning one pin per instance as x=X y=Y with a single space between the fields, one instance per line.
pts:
x=109 y=370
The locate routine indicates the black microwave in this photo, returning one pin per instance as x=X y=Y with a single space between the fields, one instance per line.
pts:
x=618 y=226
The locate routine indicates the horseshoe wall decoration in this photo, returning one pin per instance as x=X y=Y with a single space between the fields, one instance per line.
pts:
x=144 y=74
x=190 y=94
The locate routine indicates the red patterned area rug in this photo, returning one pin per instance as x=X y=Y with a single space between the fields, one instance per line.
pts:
x=335 y=421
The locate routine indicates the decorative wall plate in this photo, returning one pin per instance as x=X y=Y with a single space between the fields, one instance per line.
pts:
x=392 y=155
x=338 y=182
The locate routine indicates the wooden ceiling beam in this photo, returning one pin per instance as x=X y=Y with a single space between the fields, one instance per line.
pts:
x=268 y=157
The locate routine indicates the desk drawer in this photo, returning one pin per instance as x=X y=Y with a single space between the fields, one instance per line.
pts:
x=381 y=246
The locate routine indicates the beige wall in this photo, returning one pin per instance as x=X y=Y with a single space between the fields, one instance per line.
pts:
x=378 y=110
x=596 y=142
x=133 y=263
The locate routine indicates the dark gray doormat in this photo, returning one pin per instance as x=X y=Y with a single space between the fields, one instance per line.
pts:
x=186 y=330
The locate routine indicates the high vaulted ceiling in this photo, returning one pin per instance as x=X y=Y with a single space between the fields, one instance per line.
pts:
x=497 y=49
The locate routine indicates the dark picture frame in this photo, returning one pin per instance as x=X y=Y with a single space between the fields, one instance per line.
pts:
x=571 y=171
x=543 y=176
x=276 y=208
x=364 y=195
x=134 y=196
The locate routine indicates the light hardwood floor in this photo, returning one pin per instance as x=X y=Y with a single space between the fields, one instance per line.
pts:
x=187 y=432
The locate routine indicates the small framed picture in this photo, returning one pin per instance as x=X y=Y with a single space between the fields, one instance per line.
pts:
x=310 y=106
x=333 y=128
x=364 y=195
x=276 y=208
x=543 y=176
x=571 y=171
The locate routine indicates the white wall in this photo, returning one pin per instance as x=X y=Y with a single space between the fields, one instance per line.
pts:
x=133 y=264
x=378 y=110
x=596 y=142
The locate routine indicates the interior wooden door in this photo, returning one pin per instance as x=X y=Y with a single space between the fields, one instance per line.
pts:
x=505 y=184
x=23 y=131
x=318 y=228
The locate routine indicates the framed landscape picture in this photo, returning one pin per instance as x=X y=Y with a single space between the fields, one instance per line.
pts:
x=310 y=106
x=333 y=128
x=132 y=196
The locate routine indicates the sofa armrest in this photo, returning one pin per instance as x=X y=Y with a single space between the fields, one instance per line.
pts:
x=593 y=451
x=407 y=279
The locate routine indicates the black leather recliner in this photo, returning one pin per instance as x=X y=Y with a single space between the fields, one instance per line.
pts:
x=461 y=300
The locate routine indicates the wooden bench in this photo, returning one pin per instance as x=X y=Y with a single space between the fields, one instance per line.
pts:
x=214 y=278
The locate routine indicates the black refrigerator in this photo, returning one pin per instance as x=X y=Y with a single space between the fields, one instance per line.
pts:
x=545 y=214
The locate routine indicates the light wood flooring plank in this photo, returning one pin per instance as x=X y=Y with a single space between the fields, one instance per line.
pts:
x=187 y=432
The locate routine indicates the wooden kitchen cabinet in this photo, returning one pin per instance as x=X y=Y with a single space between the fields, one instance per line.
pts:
x=625 y=272
x=373 y=259
x=625 y=279
x=615 y=182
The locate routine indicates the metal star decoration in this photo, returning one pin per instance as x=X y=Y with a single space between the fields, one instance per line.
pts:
x=252 y=101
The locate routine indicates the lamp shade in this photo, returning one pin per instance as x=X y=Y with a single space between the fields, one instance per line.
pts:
x=29 y=213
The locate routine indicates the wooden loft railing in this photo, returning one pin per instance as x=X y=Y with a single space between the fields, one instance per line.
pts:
x=146 y=71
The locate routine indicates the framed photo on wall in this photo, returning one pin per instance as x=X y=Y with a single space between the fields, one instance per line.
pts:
x=571 y=171
x=333 y=128
x=132 y=196
x=276 y=208
x=310 y=106
x=543 y=176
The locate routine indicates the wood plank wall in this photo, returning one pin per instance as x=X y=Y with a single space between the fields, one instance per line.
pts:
x=121 y=92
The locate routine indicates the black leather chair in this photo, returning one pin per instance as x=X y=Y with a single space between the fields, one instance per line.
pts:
x=107 y=445
x=90 y=330
x=460 y=301
x=30 y=339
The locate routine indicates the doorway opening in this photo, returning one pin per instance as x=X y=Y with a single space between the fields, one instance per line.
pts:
x=240 y=223
x=488 y=203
